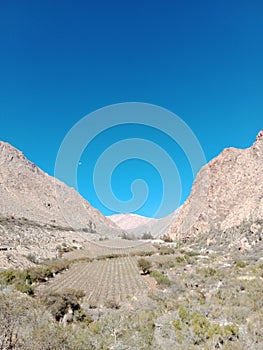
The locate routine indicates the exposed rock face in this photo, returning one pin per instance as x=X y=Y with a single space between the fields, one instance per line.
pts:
x=227 y=191
x=28 y=192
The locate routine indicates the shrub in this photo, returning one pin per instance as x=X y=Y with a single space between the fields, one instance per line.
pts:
x=230 y=331
x=128 y=236
x=168 y=264
x=240 y=263
x=24 y=288
x=200 y=326
x=209 y=272
x=21 y=280
x=142 y=253
x=164 y=250
x=166 y=238
x=160 y=277
x=7 y=276
x=183 y=314
x=144 y=265
x=202 y=329
x=147 y=235
x=43 y=273
x=91 y=227
x=58 y=303
x=112 y=304
x=192 y=253
x=177 y=325
x=32 y=258
x=179 y=259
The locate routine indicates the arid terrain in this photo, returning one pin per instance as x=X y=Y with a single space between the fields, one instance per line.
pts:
x=72 y=279
x=137 y=226
x=228 y=190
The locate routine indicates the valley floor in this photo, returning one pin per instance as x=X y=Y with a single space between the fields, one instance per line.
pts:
x=190 y=296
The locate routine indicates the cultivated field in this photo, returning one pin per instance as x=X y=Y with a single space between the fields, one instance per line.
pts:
x=103 y=281
x=94 y=249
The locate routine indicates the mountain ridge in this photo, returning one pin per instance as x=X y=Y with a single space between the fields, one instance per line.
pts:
x=226 y=191
x=50 y=196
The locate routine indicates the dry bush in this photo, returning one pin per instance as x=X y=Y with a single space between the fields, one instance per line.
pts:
x=60 y=303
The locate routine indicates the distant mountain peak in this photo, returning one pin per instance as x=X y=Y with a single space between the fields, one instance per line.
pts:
x=129 y=221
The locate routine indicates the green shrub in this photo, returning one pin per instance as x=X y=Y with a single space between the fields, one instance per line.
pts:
x=169 y=264
x=192 y=253
x=24 y=288
x=240 y=264
x=230 y=331
x=21 y=280
x=179 y=259
x=160 y=277
x=209 y=272
x=8 y=276
x=183 y=314
x=177 y=325
x=214 y=329
x=200 y=326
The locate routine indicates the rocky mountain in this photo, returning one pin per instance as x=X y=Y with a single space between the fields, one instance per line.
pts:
x=139 y=226
x=129 y=221
x=227 y=192
x=28 y=192
x=39 y=212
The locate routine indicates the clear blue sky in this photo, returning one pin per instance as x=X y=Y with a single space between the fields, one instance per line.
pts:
x=61 y=60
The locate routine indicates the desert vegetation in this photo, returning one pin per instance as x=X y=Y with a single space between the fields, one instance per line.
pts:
x=185 y=296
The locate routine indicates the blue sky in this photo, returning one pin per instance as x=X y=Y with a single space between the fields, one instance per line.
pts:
x=61 y=60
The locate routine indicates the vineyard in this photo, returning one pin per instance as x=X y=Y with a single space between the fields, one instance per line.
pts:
x=119 y=247
x=103 y=281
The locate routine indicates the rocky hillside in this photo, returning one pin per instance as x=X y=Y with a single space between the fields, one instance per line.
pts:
x=227 y=192
x=28 y=192
x=39 y=214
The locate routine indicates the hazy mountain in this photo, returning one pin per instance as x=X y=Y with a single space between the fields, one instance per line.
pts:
x=227 y=191
x=139 y=225
x=129 y=221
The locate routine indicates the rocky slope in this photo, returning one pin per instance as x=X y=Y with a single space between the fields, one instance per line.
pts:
x=227 y=191
x=26 y=191
x=39 y=212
